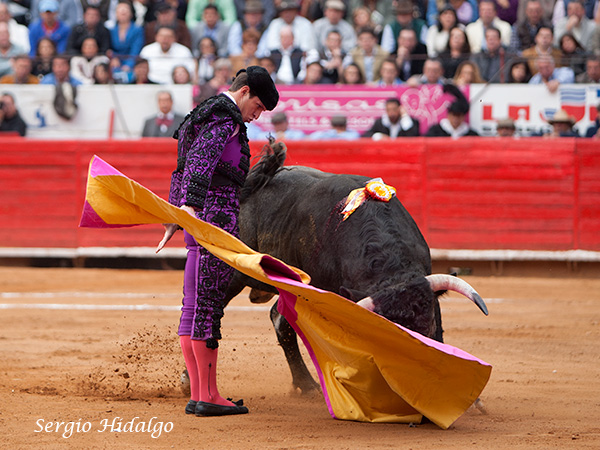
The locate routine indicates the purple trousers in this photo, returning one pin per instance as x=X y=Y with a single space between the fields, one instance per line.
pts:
x=206 y=277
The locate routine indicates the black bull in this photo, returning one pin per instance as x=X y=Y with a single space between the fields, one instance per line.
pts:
x=293 y=213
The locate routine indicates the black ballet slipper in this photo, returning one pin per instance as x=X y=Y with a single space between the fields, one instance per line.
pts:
x=190 y=408
x=212 y=409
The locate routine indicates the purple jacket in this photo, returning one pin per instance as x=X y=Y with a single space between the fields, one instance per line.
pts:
x=209 y=152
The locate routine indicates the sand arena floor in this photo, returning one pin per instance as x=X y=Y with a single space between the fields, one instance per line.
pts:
x=98 y=367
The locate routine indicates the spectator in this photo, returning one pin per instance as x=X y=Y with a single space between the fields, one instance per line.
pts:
x=456 y=52
x=181 y=75
x=525 y=30
x=331 y=57
x=90 y=27
x=21 y=72
x=466 y=11
x=82 y=67
x=551 y=76
x=19 y=34
x=363 y=17
x=267 y=6
x=492 y=60
x=519 y=72
x=304 y=35
x=394 y=123
x=49 y=26
x=103 y=74
x=281 y=129
x=411 y=54
x=454 y=125
x=438 y=34
x=576 y=23
x=592 y=71
x=333 y=21
x=507 y=10
x=213 y=27
x=254 y=19
x=433 y=73
x=288 y=58
x=195 y=10
x=573 y=54
x=166 y=16
x=166 y=121
x=543 y=47
x=61 y=72
x=269 y=65
x=593 y=130
x=388 y=74
x=10 y=119
x=367 y=55
x=180 y=7
x=467 y=73
x=250 y=40
x=207 y=55
x=562 y=125
x=314 y=73
x=338 y=130
x=547 y=10
x=487 y=18
x=506 y=127
x=127 y=38
x=8 y=50
x=221 y=79
x=377 y=11
x=404 y=20
x=44 y=54
x=352 y=75
x=141 y=69
x=164 y=54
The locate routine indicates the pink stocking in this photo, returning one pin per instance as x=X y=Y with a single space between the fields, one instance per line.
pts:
x=206 y=359
x=192 y=366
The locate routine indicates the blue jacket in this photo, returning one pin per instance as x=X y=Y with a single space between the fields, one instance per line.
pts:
x=60 y=36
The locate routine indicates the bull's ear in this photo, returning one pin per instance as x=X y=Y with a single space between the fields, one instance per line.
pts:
x=352 y=294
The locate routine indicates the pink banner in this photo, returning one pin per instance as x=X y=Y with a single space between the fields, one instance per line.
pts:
x=309 y=108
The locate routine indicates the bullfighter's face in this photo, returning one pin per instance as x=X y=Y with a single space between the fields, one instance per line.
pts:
x=250 y=105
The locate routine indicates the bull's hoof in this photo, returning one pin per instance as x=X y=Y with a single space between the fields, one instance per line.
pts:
x=185 y=383
x=307 y=389
x=258 y=296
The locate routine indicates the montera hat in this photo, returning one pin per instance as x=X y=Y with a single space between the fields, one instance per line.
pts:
x=561 y=116
x=261 y=84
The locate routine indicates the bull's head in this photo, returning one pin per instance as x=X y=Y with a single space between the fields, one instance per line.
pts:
x=412 y=304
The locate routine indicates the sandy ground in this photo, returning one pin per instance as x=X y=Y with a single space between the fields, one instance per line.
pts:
x=98 y=367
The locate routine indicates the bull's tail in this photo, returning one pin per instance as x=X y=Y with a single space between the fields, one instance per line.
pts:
x=271 y=160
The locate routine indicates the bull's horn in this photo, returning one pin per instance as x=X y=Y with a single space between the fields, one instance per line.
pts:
x=367 y=303
x=441 y=282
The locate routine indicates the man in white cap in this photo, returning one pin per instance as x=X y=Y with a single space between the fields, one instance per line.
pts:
x=562 y=125
x=334 y=20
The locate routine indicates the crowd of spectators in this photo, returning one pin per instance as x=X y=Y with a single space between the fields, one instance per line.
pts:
x=373 y=42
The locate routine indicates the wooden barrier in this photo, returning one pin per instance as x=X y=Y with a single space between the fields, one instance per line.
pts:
x=471 y=193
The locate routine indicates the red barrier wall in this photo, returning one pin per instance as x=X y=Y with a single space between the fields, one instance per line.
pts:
x=471 y=193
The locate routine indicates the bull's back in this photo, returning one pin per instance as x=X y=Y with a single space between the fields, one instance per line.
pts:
x=296 y=217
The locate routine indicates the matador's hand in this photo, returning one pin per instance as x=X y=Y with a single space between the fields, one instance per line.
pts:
x=170 y=229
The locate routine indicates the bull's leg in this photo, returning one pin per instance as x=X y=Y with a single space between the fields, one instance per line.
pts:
x=301 y=377
x=439 y=331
